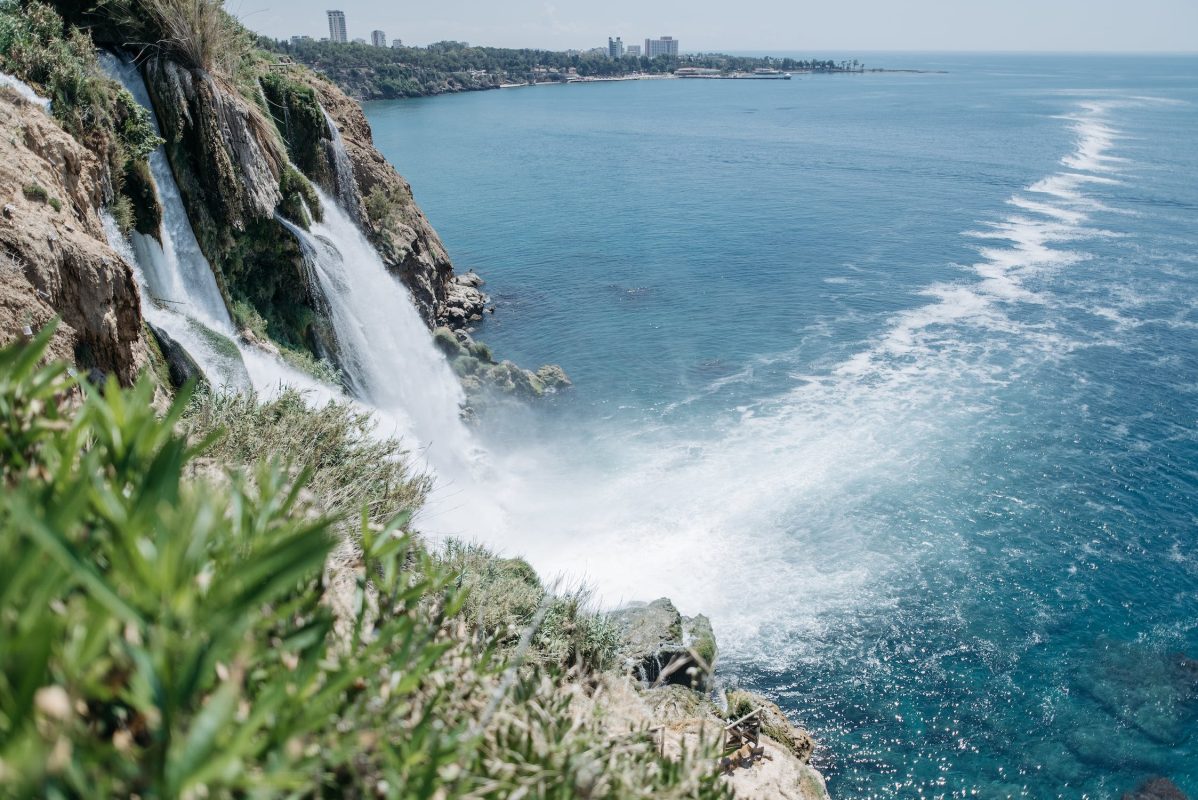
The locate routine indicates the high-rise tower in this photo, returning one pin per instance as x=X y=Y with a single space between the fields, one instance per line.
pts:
x=337 y=27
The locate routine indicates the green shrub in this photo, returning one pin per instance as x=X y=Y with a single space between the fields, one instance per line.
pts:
x=55 y=204
x=445 y=341
x=575 y=636
x=60 y=61
x=382 y=208
x=300 y=203
x=482 y=352
x=34 y=191
x=166 y=627
x=297 y=114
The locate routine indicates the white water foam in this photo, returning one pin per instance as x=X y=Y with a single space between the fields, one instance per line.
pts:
x=775 y=520
x=25 y=90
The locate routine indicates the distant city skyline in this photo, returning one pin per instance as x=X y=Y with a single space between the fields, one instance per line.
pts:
x=705 y=25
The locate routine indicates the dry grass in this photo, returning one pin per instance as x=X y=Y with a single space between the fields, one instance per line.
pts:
x=196 y=33
x=351 y=469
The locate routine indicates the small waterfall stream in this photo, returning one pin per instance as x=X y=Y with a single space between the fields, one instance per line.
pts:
x=179 y=292
x=345 y=184
x=171 y=265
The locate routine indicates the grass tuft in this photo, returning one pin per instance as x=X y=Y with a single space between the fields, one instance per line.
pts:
x=349 y=468
x=198 y=34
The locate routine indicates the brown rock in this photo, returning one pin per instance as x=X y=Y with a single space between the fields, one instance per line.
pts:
x=56 y=262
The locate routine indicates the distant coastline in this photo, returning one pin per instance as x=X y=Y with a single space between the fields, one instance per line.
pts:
x=384 y=73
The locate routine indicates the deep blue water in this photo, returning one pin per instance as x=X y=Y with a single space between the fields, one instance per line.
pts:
x=895 y=376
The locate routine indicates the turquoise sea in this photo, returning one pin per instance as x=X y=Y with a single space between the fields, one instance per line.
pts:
x=893 y=375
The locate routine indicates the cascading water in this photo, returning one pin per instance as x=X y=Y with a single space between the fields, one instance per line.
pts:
x=383 y=346
x=173 y=274
x=24 y=89
x=179 y=291
x=345 y=185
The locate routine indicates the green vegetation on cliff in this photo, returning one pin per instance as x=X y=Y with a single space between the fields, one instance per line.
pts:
x=202 y=604
x=372 y=73
x=59 y=60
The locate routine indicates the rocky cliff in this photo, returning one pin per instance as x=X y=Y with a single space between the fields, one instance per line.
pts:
x=54 y=257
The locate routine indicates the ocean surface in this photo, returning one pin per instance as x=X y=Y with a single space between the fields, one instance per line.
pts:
x=895 y=376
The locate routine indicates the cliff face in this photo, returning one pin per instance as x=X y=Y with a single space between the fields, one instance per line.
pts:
x=410 y=247
x=54 y=257
x=238 y=163
x=225 y=159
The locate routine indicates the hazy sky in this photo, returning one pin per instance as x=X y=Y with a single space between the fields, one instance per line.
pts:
x=837 y=25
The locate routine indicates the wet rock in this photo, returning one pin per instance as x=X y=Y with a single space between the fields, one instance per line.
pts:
x=553 y=377
x=659 y=645
x=225 y=158
x=1156 y=789
x=181 y=366
x=510 y=379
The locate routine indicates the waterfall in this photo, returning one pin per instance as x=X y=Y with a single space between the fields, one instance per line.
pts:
x=175 y=267
x=384 y=348
x=345 y=185
x=25 y=90
x=179 y=291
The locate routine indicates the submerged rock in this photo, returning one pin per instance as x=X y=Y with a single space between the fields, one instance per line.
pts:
x=1156 y=789
x=659 y=645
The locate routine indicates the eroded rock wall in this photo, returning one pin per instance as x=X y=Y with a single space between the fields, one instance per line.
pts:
x=54 y=257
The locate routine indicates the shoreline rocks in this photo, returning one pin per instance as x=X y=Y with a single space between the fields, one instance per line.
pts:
x=486 y=379
x=670 y=660
x=660 y=646
x=465 y=302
